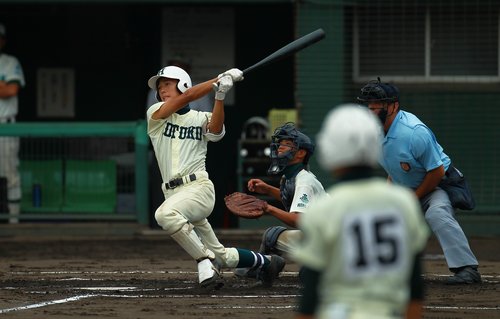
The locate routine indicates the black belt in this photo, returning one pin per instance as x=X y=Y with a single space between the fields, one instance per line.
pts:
x=173 y=183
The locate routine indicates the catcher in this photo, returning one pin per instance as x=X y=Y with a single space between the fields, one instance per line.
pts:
x=290 y=154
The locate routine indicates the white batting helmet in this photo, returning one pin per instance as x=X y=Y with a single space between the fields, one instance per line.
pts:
x=171 y=72
x=351 y=135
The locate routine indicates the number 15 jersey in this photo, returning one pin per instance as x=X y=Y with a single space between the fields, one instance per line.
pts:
x=363 y=239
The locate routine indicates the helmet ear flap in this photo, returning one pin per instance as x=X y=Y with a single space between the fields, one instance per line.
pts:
x=184 y=85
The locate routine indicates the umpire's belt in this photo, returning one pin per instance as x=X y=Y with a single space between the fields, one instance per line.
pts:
x=173 y=183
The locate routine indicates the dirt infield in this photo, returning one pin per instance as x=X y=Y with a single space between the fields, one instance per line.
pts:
x=150 y=277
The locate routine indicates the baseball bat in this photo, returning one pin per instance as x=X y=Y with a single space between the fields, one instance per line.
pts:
x=290 y=48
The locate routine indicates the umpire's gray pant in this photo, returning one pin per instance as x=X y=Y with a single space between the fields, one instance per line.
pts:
x=440 y=216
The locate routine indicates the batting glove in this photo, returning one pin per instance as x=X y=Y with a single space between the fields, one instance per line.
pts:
x=236 y=74
x=222 y=86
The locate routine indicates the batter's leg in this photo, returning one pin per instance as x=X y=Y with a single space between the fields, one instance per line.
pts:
x=227 y=257
x=182 y=232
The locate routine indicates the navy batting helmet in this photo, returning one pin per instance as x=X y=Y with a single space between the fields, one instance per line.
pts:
x=376 y=91
x=288 y=131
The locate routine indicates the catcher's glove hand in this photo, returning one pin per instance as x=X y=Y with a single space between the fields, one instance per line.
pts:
x=245 y=206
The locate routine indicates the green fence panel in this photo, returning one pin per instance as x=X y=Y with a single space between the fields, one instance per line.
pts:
x=90 y=186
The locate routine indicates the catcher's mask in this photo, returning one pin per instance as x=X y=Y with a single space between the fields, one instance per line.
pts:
x=376 y=91
x=171 y=72
x=300 y=141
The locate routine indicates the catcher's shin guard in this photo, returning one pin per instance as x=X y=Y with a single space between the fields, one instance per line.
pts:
x=191 y=243
x=269 y=240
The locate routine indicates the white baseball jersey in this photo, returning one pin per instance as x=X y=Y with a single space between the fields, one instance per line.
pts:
x=10 y=70
x=307 y=190
x=363 y=239
x=180 y=141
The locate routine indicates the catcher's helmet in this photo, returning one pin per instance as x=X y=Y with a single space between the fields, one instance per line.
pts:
x=171 y=72
x=288 y=131
x=351 y=135
x=376 y=91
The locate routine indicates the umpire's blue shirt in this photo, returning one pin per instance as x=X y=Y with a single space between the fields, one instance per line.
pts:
x=410 y=150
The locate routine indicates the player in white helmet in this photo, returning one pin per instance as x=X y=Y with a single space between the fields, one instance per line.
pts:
x=361 y=245
x=179 y=137
x=205 y=103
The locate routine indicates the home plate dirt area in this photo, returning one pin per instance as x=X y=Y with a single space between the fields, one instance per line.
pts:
x=142 y=276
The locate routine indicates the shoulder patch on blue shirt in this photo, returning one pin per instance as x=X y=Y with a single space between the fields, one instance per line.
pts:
x=405 y=166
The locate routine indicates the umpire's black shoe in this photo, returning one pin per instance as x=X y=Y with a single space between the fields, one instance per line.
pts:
x=269 y=273
x=465 y=275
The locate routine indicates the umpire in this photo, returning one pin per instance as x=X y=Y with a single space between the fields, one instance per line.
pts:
x=413 y=158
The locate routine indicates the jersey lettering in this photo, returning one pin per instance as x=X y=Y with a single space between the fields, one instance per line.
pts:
x=374 y=244
x=190 y=132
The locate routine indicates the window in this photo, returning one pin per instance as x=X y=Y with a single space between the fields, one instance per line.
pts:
x=437 y=43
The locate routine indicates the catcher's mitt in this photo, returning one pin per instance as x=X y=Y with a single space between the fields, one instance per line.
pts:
x=245 y=206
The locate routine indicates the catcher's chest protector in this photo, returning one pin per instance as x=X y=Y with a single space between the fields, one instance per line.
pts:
x=287 y=190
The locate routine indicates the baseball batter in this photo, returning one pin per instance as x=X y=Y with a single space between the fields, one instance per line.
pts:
x=179 y=137
x=290 y=154
x=361 y=245
x=11 y=81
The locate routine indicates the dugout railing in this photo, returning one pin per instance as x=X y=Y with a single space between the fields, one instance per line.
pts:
x=82 y=170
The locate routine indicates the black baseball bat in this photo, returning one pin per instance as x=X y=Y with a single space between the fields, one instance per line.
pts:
x=290 y=48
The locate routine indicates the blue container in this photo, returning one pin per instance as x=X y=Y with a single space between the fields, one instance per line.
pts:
x=37 y=195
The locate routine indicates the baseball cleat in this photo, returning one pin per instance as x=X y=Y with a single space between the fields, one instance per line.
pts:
x=269 y=273
x=208 y=274
x=242 y=272
x=247 y=272
x=466 y=275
